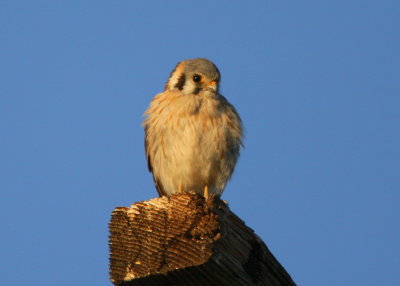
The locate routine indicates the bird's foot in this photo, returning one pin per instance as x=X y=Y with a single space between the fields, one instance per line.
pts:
x=206 y=192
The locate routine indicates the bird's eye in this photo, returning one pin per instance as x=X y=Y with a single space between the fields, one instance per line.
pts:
x=197 y=78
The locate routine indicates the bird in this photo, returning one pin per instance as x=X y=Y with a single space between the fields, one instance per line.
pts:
x=193 y=135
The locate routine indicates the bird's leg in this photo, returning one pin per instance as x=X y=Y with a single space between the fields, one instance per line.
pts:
x=206 y=193
x=180 y=189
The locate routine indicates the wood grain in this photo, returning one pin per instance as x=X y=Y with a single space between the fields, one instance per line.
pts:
x=187 y=240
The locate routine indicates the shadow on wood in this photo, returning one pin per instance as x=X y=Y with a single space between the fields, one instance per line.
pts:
x=186 y=240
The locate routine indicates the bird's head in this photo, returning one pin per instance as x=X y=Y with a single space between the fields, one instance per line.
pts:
x=194 y=77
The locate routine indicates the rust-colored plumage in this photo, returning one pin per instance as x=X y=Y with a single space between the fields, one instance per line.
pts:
x=192 y=133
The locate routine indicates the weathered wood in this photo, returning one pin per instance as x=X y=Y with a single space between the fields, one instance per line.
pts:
x=186 y=240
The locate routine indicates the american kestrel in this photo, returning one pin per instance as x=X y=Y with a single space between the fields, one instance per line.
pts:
x=192 y=133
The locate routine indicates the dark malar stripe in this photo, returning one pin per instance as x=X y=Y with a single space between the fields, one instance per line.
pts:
x=197 y=90
x=181 y=82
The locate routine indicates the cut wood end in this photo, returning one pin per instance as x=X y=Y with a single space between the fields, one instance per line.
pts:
x=188 y=240
x=162 y=234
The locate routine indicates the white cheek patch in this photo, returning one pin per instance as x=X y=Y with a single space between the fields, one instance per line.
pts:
x=189 y=87
x=174 y=77
x=173 y=80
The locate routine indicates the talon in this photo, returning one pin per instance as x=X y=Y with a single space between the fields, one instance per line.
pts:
x=206 y=193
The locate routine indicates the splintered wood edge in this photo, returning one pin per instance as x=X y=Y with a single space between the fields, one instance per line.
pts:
x=187 y=239
x=161 y=235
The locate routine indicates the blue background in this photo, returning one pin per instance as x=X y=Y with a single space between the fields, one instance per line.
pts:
x=315 y=82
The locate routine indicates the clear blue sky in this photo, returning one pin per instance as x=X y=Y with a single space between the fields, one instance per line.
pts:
x=317 y=86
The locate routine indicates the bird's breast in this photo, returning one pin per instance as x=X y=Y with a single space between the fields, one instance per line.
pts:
x=190 y=142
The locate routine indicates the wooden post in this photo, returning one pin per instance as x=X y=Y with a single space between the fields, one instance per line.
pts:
x=186 y=240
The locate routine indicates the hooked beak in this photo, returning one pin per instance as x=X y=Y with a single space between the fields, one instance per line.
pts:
x=212 y=85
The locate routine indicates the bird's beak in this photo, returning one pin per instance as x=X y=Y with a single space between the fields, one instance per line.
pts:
x=212 y=85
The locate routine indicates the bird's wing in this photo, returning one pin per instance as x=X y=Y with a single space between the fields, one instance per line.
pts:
x=157 y=182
